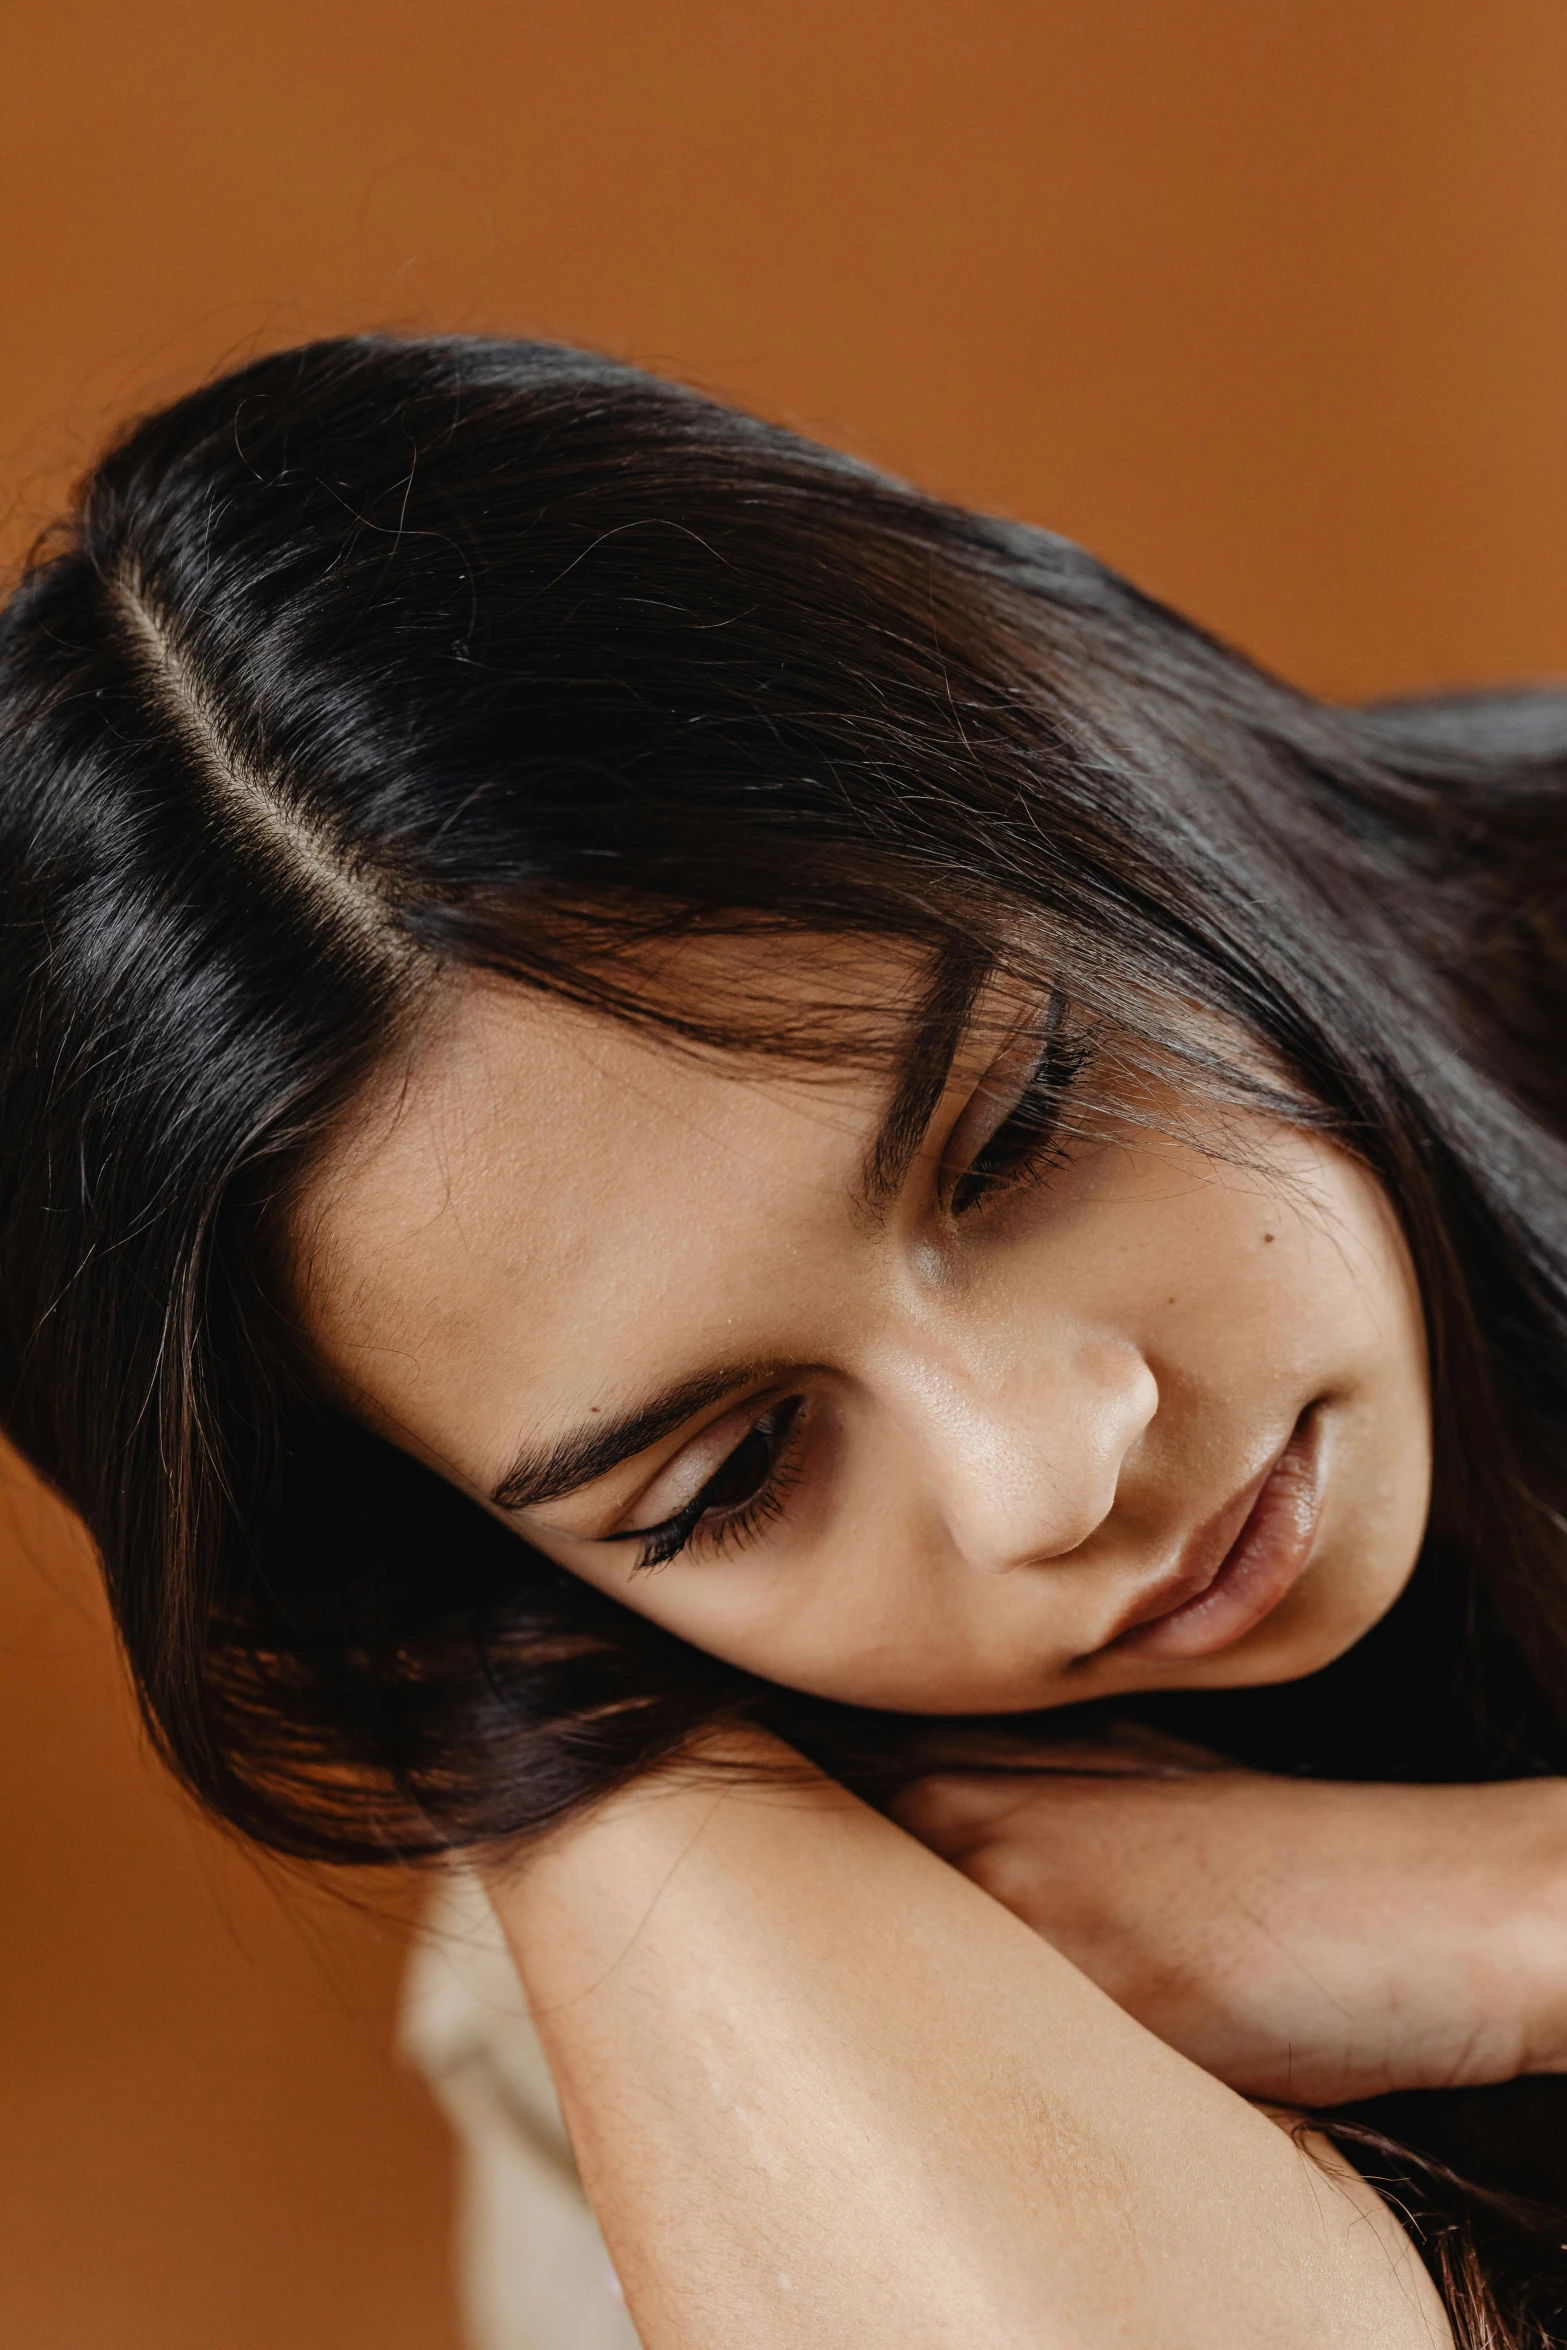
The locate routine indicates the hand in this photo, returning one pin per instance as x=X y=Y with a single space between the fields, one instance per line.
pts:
x=1304 y=1941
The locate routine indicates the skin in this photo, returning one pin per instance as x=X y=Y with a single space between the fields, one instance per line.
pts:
x=828 y=2096
x=1030 y=1423
x=1305 y=1942
x=1019 y=1423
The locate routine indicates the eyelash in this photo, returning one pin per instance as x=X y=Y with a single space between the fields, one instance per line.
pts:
x=1032 y=1125
x=742 y=1523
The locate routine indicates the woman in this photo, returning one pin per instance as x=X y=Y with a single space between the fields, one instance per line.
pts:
x=697 y=1151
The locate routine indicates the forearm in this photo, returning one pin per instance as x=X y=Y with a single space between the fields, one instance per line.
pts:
x=826 y=2092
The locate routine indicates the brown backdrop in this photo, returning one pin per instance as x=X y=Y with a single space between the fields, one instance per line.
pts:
x=1266 y=300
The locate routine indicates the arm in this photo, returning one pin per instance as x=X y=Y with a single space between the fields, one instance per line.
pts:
x=1303 y=1940
x=827 y=2095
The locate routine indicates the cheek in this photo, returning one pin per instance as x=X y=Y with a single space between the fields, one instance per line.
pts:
x=911 y=1669
x=1298 y=1272
x=722 y=1610
x=1353 y=1284
x=884 y=1634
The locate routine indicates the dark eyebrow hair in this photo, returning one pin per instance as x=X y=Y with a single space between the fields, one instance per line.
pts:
x=540 y=1474
x=923 y=1068
x=547 y=1473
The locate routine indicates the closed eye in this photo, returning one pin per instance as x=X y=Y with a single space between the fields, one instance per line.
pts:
x=744 y=1493
x=1011 y=1128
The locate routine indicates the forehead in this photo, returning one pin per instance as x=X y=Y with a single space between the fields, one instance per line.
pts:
x=543 y=1203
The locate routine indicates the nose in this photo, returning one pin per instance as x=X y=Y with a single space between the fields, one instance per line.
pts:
x=1021 y=1461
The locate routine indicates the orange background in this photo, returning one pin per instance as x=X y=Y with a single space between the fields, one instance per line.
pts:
x=1265 y=300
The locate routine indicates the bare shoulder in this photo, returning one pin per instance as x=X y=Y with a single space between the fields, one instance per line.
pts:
x=1348 y=2197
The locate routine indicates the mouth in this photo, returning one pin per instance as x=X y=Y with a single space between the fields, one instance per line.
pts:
x=1213 y=1601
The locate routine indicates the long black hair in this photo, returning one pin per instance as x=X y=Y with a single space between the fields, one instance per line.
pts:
x=378 y=657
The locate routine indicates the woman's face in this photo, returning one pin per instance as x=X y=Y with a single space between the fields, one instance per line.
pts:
x=875 y=1421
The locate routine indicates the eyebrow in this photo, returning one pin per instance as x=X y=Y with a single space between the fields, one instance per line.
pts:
x=547 y=1473
x=923 y=1068
x=543 y=1473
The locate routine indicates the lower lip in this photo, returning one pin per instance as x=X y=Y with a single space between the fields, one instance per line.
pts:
x=1263 y=1563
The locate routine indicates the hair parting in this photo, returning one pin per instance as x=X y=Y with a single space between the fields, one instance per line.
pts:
x=498 y=657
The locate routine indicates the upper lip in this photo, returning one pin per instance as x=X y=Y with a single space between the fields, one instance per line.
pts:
x=1202 y=1556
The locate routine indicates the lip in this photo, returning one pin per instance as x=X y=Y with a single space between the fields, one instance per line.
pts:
x=1235 y=1575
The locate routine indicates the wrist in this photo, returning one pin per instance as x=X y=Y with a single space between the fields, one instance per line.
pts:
x=570 y=1902
x=1538 y=1937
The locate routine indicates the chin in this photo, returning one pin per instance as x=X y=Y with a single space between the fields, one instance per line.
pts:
x=1320 y=1620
